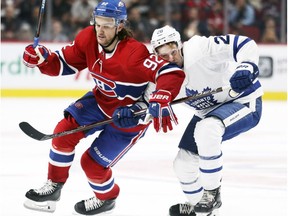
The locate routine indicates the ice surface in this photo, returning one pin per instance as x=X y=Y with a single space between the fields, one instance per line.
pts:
x=255 y=165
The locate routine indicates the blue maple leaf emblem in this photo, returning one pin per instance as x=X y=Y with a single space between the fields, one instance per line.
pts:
x=202 y=102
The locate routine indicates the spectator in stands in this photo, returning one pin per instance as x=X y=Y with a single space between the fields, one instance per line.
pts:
x=140 y=25
x=203 y=6
x=56 y=35
x=195 y=26
x=271 y=10
x=81 y=13
x=246 y=18
x=28 y=9
x=25 y=32
x=57 y=32
x=158 y=6
x=269 y=34
x=9 y=23
x=176 y=16
x=61 y=10
x=153 y=18
x=257 y=4
x=241 y=13
x=215 y=18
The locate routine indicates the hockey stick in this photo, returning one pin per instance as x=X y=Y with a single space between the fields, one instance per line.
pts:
x=35 y=134
x=40 y=18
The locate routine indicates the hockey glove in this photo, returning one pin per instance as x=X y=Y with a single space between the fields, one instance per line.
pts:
x=161 y=111
x=33 y=57
x=244 y=76
x=123 y=117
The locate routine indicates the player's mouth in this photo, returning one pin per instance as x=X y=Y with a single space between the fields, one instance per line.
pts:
x=101 y=38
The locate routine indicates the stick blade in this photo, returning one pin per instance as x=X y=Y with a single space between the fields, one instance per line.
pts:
x=32 y=132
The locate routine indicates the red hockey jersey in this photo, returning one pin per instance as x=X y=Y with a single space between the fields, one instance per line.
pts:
x=121 y=77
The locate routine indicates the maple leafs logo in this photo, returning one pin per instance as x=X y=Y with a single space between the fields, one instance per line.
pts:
x=202 y=102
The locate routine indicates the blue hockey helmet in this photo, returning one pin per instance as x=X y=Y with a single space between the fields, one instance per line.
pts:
x=111 y=8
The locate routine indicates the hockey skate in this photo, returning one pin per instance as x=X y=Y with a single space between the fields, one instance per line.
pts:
x=209 y=203
x=45 y=198
x=94 y=206
x=185 y=209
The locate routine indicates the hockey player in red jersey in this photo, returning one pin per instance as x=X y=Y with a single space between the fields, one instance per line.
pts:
x=122 y=68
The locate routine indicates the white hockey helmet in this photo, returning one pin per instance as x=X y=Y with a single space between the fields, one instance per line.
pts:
x=165 y=35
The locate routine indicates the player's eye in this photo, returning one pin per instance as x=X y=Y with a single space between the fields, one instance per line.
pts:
x=167 y=55
x=164 y=56
x=108 y=26
x=105 y=25
x=174 y=52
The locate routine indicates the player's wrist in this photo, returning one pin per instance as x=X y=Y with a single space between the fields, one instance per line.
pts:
x=161 y=96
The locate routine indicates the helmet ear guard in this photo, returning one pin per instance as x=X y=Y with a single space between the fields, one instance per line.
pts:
x=165 y=35
x=110 y=8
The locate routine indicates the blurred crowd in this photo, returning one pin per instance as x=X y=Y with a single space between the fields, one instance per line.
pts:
x=258 y=19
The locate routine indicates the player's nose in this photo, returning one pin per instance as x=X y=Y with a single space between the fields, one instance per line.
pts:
x=171 y=58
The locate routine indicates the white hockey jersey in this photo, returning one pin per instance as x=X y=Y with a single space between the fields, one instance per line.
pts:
x=210 y=62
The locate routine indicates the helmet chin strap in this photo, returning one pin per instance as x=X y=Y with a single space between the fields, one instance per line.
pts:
x=181 y=52
x=182 y=56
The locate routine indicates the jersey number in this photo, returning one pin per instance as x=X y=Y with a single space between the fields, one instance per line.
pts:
x=225 y=39
x=153 y=62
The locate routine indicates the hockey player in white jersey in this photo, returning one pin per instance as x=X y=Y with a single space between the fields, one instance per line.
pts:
x=210 y=63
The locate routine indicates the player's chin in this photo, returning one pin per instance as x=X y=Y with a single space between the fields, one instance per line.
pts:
x=175 y=62
x=102 y=41
x=179 y=63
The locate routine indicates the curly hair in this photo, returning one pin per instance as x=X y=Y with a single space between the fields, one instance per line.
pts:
x=125 y=32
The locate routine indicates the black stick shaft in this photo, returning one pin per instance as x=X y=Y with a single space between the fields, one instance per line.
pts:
x=40 y=18
x=35 y=134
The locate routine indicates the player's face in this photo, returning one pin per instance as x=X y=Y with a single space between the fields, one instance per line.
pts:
x=171 y=53
x=106 y=29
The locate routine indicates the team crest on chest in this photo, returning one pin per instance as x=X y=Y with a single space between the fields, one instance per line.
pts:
x=104 y=85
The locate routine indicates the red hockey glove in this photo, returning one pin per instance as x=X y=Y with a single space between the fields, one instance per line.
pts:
x=33 y=57
x=160 y=109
